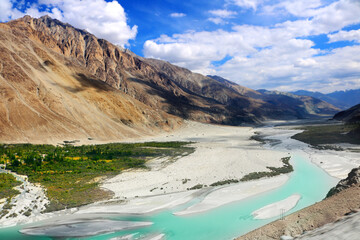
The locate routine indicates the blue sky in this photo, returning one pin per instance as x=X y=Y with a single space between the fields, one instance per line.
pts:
x=284 y=45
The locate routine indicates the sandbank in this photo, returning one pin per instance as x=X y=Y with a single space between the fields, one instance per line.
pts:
x=277 y=208
x=85 y=228
x=234 y=193
x=221 y=153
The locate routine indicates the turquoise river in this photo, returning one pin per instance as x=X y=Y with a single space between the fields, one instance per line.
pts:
x=226 y=222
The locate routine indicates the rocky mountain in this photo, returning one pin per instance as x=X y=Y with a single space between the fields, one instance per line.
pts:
x=351 y=115
x=47 y=96
x=61 y=81
x=340 y=99
x=300 y=105
x=283 y=105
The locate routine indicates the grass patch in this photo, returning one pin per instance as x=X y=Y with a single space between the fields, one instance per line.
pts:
x=7 y=184
x=69 y=173
x=328 y=134
x=273 y=171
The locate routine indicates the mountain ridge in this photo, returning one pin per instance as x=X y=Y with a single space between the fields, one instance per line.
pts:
x=340 y=99
x=110 y=85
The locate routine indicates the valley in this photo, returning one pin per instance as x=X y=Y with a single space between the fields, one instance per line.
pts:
x=97 y=142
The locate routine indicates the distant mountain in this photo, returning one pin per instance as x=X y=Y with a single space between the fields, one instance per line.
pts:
x=340 y=99
x=301 y=105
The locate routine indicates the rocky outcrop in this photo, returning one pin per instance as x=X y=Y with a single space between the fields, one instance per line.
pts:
x=352 y=179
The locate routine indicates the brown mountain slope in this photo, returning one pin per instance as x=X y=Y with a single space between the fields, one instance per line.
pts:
x=156 y=83
x=61 y=82
x=46 y=97
x=123 y=71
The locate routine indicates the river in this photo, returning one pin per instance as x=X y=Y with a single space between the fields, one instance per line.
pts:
x=228 y=221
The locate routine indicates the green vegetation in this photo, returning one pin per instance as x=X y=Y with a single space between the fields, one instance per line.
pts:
x=257 y=175
x=198 y=186
x=329 y=134
x=273 y=171
x=224 y=182
x=71 y=174
x=7 y=184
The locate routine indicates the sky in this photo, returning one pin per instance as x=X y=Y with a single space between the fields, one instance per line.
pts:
x=262 y=44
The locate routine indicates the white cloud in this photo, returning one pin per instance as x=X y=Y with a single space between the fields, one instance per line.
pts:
x=217 y=20
x=303 y=8
x=177 y=15
x=273 y=56
x=7 y=12
x=222 y=13
x=353 y=35
x=246 y=3
x=104 y=19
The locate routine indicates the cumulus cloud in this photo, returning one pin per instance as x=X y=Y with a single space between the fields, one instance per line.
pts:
x=177 y=15
x=353 y=35
x=277 y=56
x=104 y=19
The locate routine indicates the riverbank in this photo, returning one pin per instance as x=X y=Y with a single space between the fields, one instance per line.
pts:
x=222 y=154
x=327 y=211
x=337 y=159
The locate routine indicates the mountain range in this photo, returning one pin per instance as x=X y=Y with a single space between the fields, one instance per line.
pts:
x=340 y=99
x=59 y=82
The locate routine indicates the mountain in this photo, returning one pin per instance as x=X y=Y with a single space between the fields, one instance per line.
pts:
x=340 y=99
x=300 y=105
x=46 y=95
x=351 y=115
x=59 y=82
x=283 y=105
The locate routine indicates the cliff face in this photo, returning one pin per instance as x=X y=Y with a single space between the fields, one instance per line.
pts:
x=46 y=96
